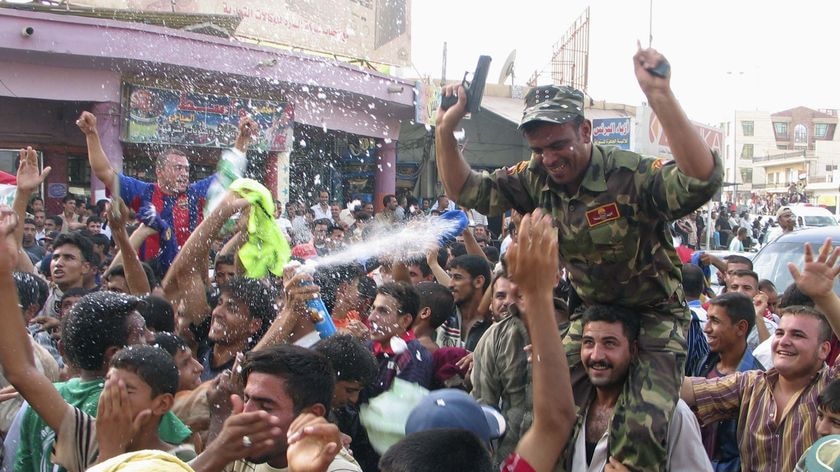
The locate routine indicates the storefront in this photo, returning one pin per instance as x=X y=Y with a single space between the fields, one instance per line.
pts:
x=152 y=88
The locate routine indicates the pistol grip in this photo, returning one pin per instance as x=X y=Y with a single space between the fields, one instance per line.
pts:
x=663 y=69
x=447 y=101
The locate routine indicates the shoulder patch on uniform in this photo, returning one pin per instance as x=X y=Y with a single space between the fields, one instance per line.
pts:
x=518 y=168
x=602 y=214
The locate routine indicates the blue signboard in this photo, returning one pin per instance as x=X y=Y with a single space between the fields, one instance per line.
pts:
x=612 y=132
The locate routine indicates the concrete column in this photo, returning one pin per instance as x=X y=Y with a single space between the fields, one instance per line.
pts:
x=108 y=124
x=385 y=179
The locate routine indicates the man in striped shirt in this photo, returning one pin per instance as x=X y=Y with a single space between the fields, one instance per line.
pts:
x=777 y=409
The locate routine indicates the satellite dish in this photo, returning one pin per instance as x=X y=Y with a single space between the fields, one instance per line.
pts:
x=507 y=67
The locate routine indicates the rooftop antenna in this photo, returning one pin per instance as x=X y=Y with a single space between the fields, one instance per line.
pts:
x=650 y=26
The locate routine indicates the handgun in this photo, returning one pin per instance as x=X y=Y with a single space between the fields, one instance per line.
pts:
x=663 y=69
x=474 y=88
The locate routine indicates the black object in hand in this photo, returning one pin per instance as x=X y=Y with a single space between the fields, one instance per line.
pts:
x=474 y=88
x=663 y=69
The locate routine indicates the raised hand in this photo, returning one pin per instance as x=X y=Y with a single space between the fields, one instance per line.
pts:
x=29 y=177
x=87 y=123
x=643 y=61
x=533 y=259
x=816 y=278
x=8 y=242
x=312 y=443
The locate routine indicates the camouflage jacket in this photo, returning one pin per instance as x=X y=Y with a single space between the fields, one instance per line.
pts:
x=613 y=233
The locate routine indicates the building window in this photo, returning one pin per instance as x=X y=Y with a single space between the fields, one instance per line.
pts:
x=747 y=151
x=800 y=136
x=748 y=127
x=820 y=130
x=781 y=129
x=746 y=175
x=78 y=171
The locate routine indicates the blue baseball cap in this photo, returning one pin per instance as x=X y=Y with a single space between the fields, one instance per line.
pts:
x=450 y=408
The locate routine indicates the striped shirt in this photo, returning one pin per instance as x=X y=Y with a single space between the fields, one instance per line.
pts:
x=765 y=445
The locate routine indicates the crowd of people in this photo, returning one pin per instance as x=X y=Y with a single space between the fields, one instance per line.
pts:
x=137 y=335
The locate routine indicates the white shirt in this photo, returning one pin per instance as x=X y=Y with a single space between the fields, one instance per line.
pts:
x=321 y=213
x=685 y=447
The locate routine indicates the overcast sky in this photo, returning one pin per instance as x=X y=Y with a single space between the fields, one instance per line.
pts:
x=725 y=55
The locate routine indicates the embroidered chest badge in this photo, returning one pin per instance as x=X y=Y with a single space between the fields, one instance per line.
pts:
x=602 y=214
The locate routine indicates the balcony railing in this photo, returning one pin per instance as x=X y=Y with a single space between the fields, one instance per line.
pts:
x=786 y=155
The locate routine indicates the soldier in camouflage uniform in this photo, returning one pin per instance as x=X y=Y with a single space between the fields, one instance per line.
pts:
x=612 y=209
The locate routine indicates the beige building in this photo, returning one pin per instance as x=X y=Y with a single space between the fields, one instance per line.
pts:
x=776 y=153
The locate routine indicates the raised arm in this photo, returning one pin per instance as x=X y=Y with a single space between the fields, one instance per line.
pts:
x=15 y=349
x=530 y=258
x=816 y=279
x=28 y=179
x=452 y=167
x=691 y=153
x=185 y=282
x=135 y=276
x=298 y=289
x=99 y=162
x=440 y=274
x=248 y=128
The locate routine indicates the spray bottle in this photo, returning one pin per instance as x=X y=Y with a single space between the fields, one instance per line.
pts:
x=315 y=307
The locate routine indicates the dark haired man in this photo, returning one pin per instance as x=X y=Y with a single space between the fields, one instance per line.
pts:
x=469 y=278
x=779 y=406
x=35 y=251
x=500 y=374
x=611 y=207
x=394 y=345
x=286 y=382
x=609 y=347
x=389 y=214
x=436 y=306
x=355 y=367
x=243 y=314
x=731 y=316
x=71 y=262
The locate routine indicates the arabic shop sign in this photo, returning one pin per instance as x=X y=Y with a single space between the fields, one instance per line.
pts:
x=612 y=132
x=170 y=117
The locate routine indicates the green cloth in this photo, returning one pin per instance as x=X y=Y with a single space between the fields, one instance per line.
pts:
x=267 y=249
x=37 y=439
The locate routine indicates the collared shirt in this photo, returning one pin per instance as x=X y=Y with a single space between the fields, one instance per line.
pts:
x=721 y=439
x=612 y=238
x=765 y=444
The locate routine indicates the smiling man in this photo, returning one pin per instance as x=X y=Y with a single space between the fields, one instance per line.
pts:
x=178 y=202
x=394 y=310
x=244 y=312
x=609 y=347
x=611 y=208
x=730 y=317
x=779 y=407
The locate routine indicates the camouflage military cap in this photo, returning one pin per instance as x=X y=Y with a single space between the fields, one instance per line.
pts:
x=552 y=103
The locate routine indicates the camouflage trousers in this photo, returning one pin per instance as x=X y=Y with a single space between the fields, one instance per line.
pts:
x=638 y=433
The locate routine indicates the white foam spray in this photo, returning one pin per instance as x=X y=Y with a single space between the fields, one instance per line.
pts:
x=413 y=239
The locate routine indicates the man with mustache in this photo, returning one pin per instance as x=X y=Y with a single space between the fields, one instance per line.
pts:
x=609 y=347
x=777 y=411
x=611 y=208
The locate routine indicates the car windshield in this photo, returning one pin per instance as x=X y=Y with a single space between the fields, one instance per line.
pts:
x=820 y=221
x=771 y=263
